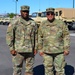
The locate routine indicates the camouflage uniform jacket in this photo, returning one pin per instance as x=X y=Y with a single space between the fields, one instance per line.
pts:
x=53 y=37
x=20 y=35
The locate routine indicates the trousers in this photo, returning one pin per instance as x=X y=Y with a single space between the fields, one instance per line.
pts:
x=54 y=63
x=18 y=63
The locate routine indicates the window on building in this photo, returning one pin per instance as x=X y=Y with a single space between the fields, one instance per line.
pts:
x=56 y=13
x=60 y=12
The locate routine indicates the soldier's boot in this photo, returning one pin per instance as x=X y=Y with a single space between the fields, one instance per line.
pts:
x=27 y=73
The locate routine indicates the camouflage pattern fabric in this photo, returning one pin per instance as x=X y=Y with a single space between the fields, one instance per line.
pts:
x=56 y=61
x=18 y=63
x=53 y=37
x=20 y=35
x=21 y=38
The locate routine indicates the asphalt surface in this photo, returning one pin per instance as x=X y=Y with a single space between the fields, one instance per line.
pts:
x=6 y=61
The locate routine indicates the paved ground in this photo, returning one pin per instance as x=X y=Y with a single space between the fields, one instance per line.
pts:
x=6 y=63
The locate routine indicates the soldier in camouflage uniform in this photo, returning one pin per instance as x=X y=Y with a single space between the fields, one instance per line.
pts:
x=20 y=39
x=53 y=43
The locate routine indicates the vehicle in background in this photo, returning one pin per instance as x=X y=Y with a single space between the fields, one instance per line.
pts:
x=65 y=14
x=36 y=16
x=4 y=21
x=73 y=26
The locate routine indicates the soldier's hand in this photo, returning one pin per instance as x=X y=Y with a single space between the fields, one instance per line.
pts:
x=66 y=52
x=41 y=53
x=35 y=52
x=13 y=52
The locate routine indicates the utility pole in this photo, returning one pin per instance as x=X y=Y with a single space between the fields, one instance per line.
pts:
x=16 y=6
x=73 y=3
x=39 y=5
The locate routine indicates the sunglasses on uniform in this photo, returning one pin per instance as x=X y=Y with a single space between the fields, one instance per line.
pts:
x=50 y=13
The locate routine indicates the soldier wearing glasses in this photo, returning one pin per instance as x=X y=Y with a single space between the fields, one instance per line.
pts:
x=21 y=40
x=53 y=43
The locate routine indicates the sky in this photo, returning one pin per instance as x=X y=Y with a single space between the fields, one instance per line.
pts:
x=9 y=6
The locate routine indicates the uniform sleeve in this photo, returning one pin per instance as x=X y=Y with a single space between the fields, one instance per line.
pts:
x=33 y=35
x=10 y=37
x=66 y=37
x=36 y=35
x=40 y=38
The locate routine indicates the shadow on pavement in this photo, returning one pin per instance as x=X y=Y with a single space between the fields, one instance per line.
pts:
x=69 y=70
x=39 y=70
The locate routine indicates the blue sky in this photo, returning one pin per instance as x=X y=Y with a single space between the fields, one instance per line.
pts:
x=9 y=6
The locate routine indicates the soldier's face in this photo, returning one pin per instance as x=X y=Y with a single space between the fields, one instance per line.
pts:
x=25 y=14
x=50 y=15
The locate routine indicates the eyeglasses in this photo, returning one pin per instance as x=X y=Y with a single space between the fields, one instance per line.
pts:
x=50 y=13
